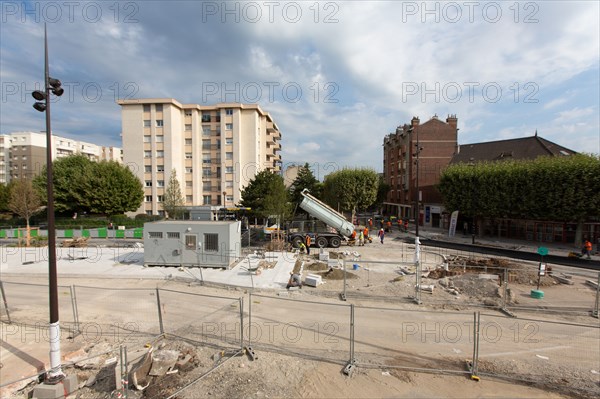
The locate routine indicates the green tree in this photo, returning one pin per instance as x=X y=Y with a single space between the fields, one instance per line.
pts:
x=547 y=188
x=72 y=178
x=4 y=197
x=305 y=179
x=173 y=201
x=24 y=202
x=266 y=195
x=351 y=189
x=116 y=189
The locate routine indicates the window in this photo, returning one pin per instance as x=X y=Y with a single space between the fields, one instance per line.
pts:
x=207 y=186
x=159 y=123
x=229 y=141
x=148 y=183
x=188 y=183
x=160 y=139
x=188 y=127
x=160 y=154
x=160 y=168
x=190 y=241
x=206 y=130
x=160 y=198
x=206 y=199
x=148 y=168
x=188 y=112
x=229 y=111
x=188 y=155
x=206 y=172
x=189 y=199
x=229 y=198
x=148 y=198
x=211 y=242
x=188 y=141
x=147 y=154
x=188 y=170
x=206 y=144
x=205 y=117
x=146 y=139
x=206 y=158
x=173 y=235
x=155 y=234
x=146 y=107
x=229 y=169
x=147 y=123
x=228 y=126
x=149 y=213
x=160 y=183
x=159 y=107
x=228 y=184
x=161 y=213
x=229 y=155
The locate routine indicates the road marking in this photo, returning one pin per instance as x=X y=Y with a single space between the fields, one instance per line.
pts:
x=527 y=351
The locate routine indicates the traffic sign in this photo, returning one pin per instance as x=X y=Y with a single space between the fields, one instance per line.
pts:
x=542 y=251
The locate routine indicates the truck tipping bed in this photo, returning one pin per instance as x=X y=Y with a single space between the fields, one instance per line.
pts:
x=326 y=214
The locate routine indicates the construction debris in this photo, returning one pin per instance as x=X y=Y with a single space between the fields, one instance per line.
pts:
x=77 y=242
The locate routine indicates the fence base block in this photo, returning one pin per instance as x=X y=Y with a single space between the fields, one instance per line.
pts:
x=349 y=369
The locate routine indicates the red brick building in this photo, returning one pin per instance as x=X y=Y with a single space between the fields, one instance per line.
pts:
x=437 y=143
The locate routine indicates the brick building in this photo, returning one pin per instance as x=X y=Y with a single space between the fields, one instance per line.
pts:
x=437 y=143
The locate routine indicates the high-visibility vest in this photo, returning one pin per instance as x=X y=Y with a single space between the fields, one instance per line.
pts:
x=588 y=245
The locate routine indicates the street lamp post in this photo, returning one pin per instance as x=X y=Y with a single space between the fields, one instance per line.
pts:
x=417 y=152
x=55 y=374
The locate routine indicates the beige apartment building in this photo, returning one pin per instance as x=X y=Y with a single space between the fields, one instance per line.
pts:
x=23 y=154
x=215 y=150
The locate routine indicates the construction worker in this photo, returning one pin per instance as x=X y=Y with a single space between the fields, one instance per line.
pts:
x=370 y=224
x=308 y=241
x=389 y=225
x=381 y=234
x=399 y=224
x=587 y=249
x=302 y=247
x=361 y=238
x=406 y=226
x=294 y=281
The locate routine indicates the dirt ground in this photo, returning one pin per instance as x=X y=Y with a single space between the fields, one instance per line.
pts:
x=208 y=372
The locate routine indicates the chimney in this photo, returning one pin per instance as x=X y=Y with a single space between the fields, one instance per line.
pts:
x=452 y=120
x=414 y=121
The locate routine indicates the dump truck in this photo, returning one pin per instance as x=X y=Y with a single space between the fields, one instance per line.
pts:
x=339 y=228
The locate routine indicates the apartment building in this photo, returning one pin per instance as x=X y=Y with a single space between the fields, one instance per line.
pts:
x=437 y=144
x=23 y=154
x=215 y=150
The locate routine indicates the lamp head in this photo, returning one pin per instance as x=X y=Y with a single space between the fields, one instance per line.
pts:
x=39 y=95
x=39 y=106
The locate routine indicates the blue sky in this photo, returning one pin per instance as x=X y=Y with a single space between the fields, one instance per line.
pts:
x=336 y=76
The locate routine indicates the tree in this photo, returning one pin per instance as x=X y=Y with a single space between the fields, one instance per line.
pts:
x=266 y=195
x=4 y=197
x=305 y=179
x=173 y=199
x=116 y=189
x=72 y=178
x=351 y=189
x=548 y=188
x=24 y=201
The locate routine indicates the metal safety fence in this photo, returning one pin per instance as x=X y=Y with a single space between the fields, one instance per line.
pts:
x=560 y=355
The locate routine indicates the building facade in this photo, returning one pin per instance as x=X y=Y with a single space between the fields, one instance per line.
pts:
x=23 y=154
x=214 y=150
x=437 y=143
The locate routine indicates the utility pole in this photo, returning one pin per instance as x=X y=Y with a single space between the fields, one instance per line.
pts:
x=418 y=150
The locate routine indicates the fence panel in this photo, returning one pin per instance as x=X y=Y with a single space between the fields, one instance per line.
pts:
x=412 y=339
x=208 y=319
x=30 y=304
x=314 y=329
x=106 y=311
x=561 y=355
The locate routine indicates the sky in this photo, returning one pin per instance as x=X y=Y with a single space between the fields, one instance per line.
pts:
x=336 y=76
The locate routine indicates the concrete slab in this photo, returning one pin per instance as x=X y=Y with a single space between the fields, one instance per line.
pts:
x=102 y=262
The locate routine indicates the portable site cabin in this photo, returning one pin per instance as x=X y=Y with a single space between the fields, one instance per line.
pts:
x=192 y=243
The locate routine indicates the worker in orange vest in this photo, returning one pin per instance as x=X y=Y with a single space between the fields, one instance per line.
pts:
x=308 y=244
x=587 y=249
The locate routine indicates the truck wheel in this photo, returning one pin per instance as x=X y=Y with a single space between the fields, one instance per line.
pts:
x=296 y=241
x=335 y=242
x=322 y=242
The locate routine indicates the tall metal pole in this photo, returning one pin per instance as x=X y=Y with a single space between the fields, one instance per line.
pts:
x=55 y=374
x=418 y=188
